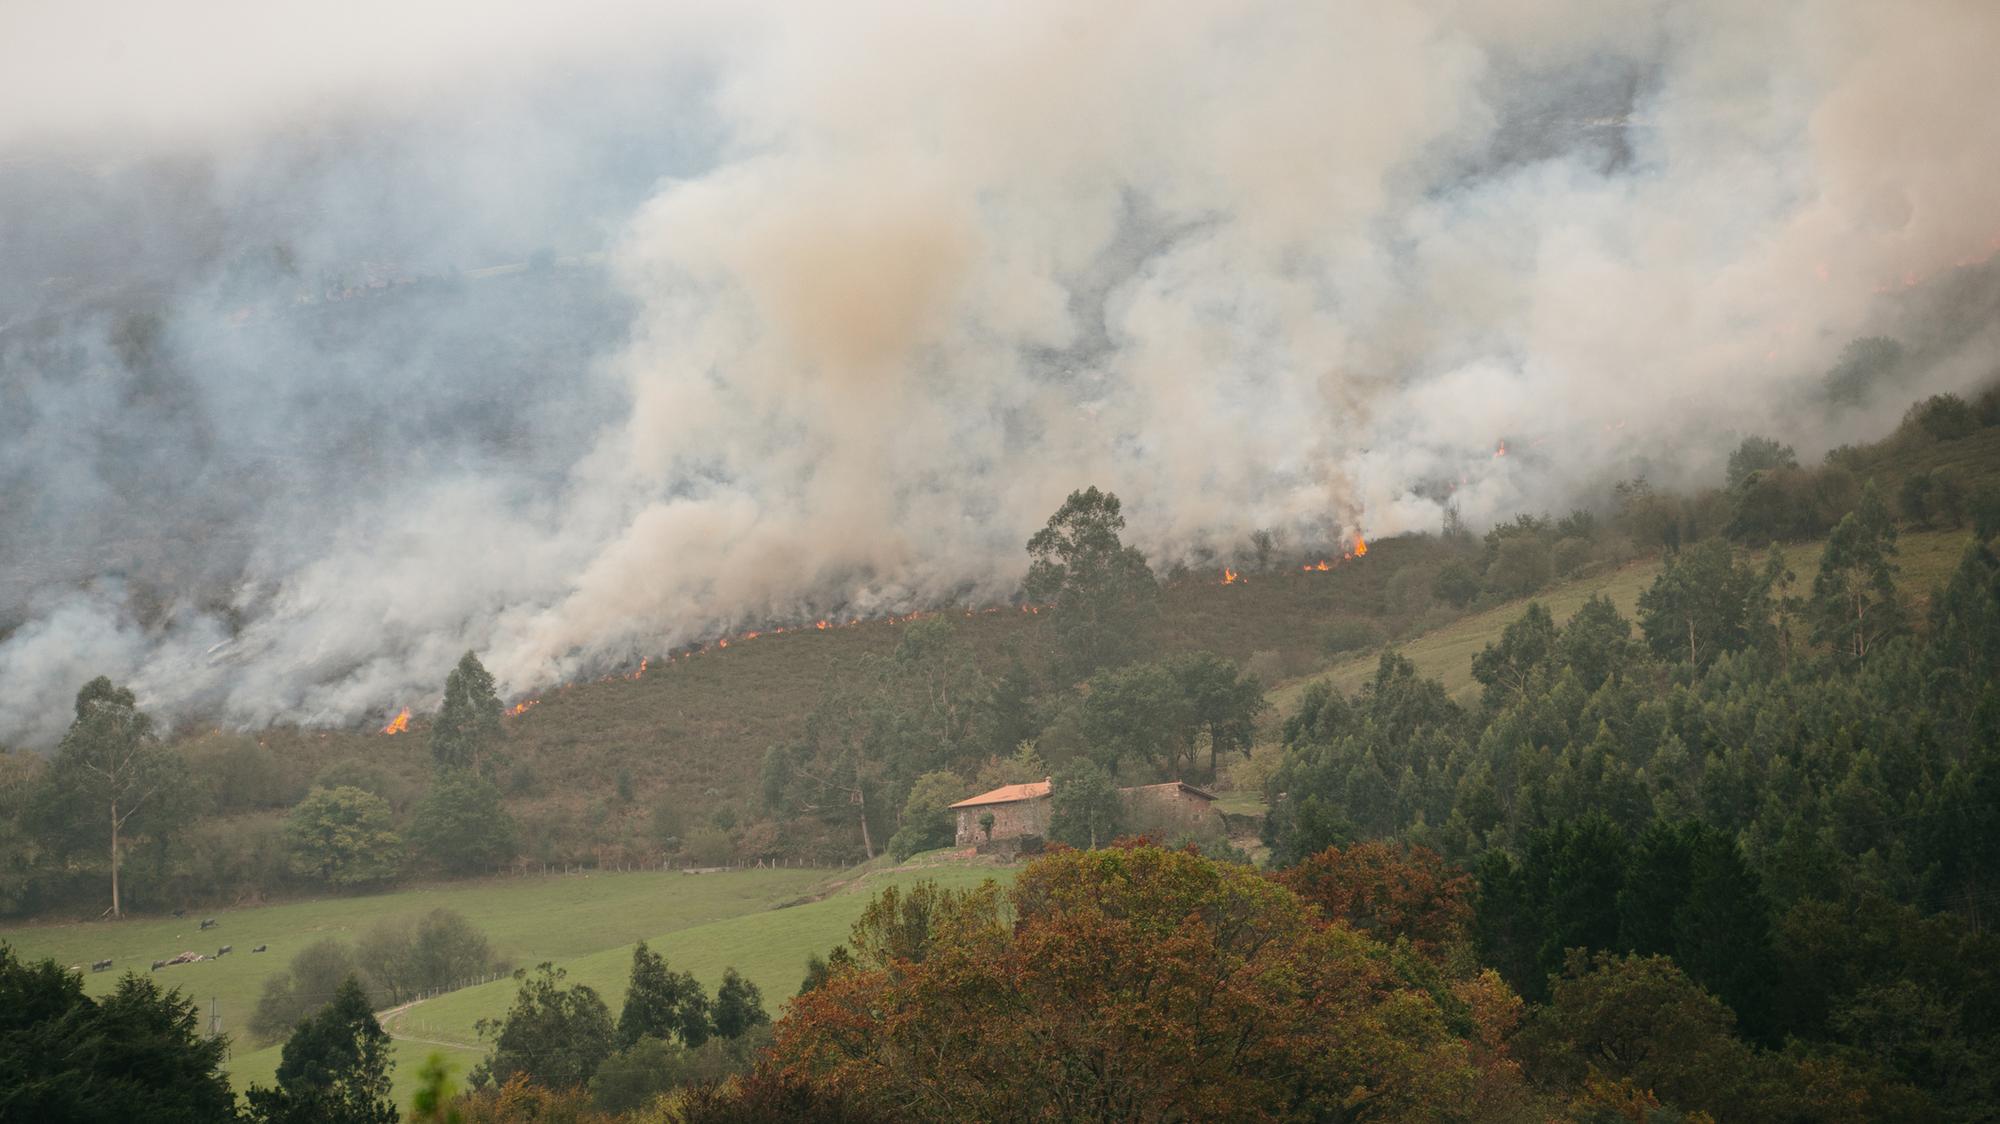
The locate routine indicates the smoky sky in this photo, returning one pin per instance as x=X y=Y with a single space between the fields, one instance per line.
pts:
x=336 y=342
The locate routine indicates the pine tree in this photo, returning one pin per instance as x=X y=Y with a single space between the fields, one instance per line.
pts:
x=661 y=1003
x=739 y=1005
x=334 y=1069
x=466 y=733
x=1854 y=603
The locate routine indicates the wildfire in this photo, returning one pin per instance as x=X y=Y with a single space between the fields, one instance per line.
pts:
x=1229 y=576
x=642 y=668
x=1501 y=451
x=521 y=707
x=821 y=625
x=1360 y=546
x=1320 y=566
x=399 y=723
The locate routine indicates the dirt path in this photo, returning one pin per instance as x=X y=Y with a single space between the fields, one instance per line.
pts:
x=392 y=1022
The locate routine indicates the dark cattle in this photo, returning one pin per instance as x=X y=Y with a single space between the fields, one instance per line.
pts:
x=158 y=964
x=180 y=913
x=224 y=950
x=260 y=948
x=208 y=923
x=100 y=966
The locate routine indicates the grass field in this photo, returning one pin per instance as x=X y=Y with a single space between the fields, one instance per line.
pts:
x=528 y=920
x=585 y=923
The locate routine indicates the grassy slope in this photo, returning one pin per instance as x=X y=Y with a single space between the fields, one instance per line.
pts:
x=1927 y=560
x=769 y=948
x=528 y=920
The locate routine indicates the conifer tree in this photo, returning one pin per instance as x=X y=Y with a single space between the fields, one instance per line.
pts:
x=467 y=730
x=334 y=1070
x=1854 y=603
x=739 y=1005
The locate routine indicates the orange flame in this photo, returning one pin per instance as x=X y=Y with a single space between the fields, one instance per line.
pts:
x=1360 y=546
x=1501 y=451
x=1320 y=566
x=399 y=723
x=1229 y=576
x=642 y=669
x=821 y=625
x=722 y=643
x=521 y=707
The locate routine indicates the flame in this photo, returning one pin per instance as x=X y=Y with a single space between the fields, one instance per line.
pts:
x=399 y=723
x=521 y=707
x=1321 y=566
x=722 y=643
x=642 y=669
x=1502 y=450
x=1360 y=546
x=1229 y=576
x=821 y=625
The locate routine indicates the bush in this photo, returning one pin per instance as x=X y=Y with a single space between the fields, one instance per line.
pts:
x=460 y=824
x=928 y=820
x=1521 y=566
x=1455 y=584
x=1942 y=417
x=439 y=950
x=341 y=836
x=1931 y=499
x=305 y=986
x=1570 y=555
x=1348 y=634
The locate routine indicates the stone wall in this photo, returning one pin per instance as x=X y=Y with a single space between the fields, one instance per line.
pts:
x=1011 y=820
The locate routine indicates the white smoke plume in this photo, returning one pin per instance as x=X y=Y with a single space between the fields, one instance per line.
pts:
x=336 y=341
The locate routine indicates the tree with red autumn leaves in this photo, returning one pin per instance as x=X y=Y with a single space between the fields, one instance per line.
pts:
x=1388 y=890
x=1141 y=983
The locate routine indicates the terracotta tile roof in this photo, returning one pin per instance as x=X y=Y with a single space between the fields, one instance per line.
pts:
x=1007 y=794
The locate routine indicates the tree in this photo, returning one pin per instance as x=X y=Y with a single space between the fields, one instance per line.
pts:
x=316 y=972
x=441 y=949
x=109 y=769
x=135 y=1054
x=1222 y=706
x=661 y=1003
x=1455 y=584
x=928 y=820
x=739 y=1005
x=1854 y=604
x=1521 y=565
x=467 y=729
x=1525 y=645
x=1704 y=603
x=1758 y=454
x=334 y=1069
x=1100 y=591
x=553 y=1035
x=461 y=825
x=341 y=837
x=1388 y=891
x=1134 y=984
x=1085 y=809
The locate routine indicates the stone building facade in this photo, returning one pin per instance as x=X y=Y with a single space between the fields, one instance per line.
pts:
x=1017 y=809
x=1173 y=808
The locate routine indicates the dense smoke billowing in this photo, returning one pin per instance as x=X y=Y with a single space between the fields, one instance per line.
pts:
x=331 y=349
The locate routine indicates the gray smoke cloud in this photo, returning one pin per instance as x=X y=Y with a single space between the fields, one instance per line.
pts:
x=336 y=341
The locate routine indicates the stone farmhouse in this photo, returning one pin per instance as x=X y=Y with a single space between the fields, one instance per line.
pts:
x=1022 y=810
x=1017 y=810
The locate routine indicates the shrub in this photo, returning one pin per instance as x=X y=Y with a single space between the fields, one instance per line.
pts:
x=1347 y=634
x=441 y=949
x=1942 y=417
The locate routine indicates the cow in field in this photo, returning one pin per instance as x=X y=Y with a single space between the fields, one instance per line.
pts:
x=223 y=951
x=208 y=923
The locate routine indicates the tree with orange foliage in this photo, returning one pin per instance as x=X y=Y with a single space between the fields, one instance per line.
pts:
x=1388 y=890
x=1141 y=983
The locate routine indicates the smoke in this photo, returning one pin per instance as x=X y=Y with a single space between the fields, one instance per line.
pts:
x=334 y=342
